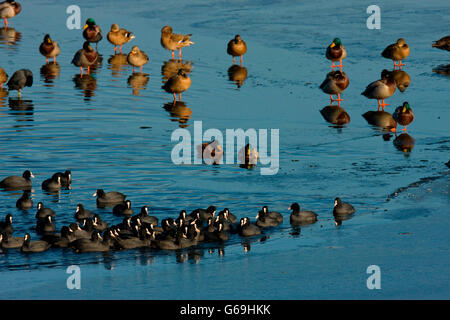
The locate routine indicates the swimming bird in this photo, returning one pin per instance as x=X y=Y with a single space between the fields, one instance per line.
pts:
x=342 y=208
x=119 y=36
x=99 y=224
x=85 y=58
x=24 y=202
x=18 y=183
x=43 y=212
x=334 y=84
x=94 y=244
x=6 y=225
x=123 y=209
x=248 y=229
x=236 y=47
x=9 y=242
x=336 y=52
x=49 y=48
x=81 y=213
x=177 y=84
x=66 y=178
x=397 y=52
x=3 y=77
x=299 y=217
x=403 y=115
x=20 y=79
x=92 y=32
x=265 y=219
x=109 y=198
x=204 y=214
x=172 y=41
x=271 y=214
x=52 y=184
x=46 y=226
x=381 y=89
x=443 y=43
x=9 y=9
x=137 y=58
x=35 y=246
x=145 y=217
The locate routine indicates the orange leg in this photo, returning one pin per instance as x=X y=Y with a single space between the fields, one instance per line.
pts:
x=1 y=86
x=241 y=61
x=404 y=129
x=141 y=68
x=133 y=69
x=179 y=96
x=115 y=49
x=340 y=65
x=173 y=54
x=120 y=49
x=332 y=65
x=6 y=23
x=338 y=99
x=234 y=60
x=379 y=105
x=81 y=68
x=89 y=70
x=399 y=64
x=54 y=59
x=174 y=98
x=46 y=61
x=179 y=54
x=383 y=104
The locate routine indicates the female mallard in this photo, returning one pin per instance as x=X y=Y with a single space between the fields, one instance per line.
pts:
x=335 y=83
x=381 y=119
x=177 y=84
x=118 y=37
x=402 y=79
x=49 y=48
x=236 y=47
x=3 y=77
x=137 y=58
x=336 y=52
x=9 y=9
x=335 y=115
x=172 y=41
x=92 y=32
x=381 y=89
x=85 y=58
x=397 y=52
x=443 y=43
x=403 y=115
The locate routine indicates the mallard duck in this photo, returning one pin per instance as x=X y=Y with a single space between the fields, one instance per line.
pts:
x=335 y=115
x=335 y=83
x=403 y=115
x=177 y=84
x=380 y=119
x=49 y=48
x=236 y=47
x=336 y=52
x=9 y=9
x=237 y=74
x=85 y=58
x=20 y=79
x=3 y=77
x=92 y=32
x=172 y=41
x=443 y=43
x=381 y=89
x=137 y=58
x=118 y=37
x=211 y=151
x=397 y=52
x=402 y=79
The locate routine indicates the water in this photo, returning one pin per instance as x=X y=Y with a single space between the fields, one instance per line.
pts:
x=116 y=137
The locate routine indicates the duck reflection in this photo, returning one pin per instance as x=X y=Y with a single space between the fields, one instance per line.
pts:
x=179 y=112
x=172 y=66
x=248 y=156
x=401 y=78
x=138 y=82
x=211 y=152
x=381 y=119
x=404 y=142
x=237 y=74
x=9 y=36
x=117 y=64
x=442 y=69
x=3 y=95
x=23 y=111
x=335 y=115
x=87 y=83
x=50 y=71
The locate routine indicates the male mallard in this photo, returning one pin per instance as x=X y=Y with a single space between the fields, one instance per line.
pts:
x=92 y=32
x=49 y=48
x=177 y=84
x=335 y=83
x=237 y=47
x=3 y=77
x=397 y=52
x=403 y=115
x=443 y=43
x=9 y=9
x=119 y=37
x=172 y=41
x=85 y=58
x=137 y=58
x=336 y=52
x=381 y=89
x=20 y=79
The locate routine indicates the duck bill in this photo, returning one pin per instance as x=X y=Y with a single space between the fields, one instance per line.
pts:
x=85 y=26
x=332 y=45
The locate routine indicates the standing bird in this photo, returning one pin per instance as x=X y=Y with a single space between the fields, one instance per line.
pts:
x=172 y=41
x=118 y=37
x=397 y=52
x=177 y=84
x=92 y=32
x=49 y=48
x=9 y=9
x=137 y=58
x=443 y=43
x=236 y=47
x=85 y=58
x=403 y=115
x=336 y=52
x=381 y=89
x=335 y=83
x=3 y=77
x=20 y=79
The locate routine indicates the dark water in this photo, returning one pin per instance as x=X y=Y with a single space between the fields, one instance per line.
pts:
x=113 y=131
